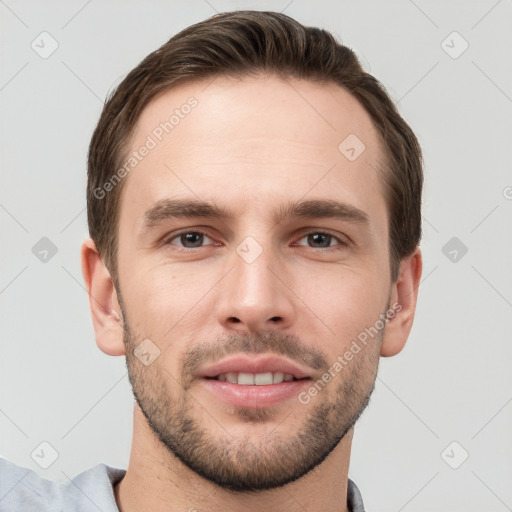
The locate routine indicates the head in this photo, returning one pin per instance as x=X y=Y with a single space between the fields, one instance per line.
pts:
x=252 y=191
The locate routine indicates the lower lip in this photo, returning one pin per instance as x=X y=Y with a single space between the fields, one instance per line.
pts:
x=255 y=397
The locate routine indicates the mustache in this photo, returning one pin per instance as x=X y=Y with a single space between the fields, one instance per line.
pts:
x=251 y=343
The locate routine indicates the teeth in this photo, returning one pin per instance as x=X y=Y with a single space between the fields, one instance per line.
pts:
x=232 y=377
x=247 y=379
x=278 y=377
x=262 y=379
x=258 y=379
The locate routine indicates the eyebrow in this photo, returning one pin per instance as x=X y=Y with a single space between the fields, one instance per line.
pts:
x=166 y=209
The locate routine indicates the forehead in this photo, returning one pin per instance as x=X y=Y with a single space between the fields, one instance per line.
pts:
x=254 y=141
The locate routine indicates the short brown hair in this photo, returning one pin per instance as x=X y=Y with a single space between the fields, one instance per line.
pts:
x=242 y=43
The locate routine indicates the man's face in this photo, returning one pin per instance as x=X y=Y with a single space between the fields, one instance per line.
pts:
x=258 y=292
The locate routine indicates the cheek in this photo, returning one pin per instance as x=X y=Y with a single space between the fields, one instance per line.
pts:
x=346 y=301
x=160 y=300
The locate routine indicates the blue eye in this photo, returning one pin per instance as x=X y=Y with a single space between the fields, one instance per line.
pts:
x=189 y=239
x=324 y=239
x=198 y=239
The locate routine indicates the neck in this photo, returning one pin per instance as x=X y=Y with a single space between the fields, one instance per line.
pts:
x=156 y=480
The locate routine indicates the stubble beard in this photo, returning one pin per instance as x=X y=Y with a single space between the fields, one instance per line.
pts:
x=237 y=462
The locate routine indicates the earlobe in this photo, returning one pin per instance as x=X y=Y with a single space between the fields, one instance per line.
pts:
x=105 y=310
x=403 y=302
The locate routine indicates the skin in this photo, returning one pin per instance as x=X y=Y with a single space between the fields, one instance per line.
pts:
x=250 y=145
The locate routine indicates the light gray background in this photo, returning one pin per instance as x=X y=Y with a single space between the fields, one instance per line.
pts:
x=451 y=383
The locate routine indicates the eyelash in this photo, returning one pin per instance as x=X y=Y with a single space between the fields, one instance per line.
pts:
x=341 y=243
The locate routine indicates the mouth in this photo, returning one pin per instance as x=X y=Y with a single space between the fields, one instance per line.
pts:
x=254 y=382
x=255 y=379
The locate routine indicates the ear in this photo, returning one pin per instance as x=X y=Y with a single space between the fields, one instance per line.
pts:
x=105 y=309
x=404 y=295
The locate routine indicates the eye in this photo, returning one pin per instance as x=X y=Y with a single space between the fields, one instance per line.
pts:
x=197 y=239
x=188 y=239
x=322 y=240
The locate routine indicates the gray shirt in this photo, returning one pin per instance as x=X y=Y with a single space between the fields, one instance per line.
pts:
x=22 y=489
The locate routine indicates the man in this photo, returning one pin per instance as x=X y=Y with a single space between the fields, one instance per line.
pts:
x=254 y=206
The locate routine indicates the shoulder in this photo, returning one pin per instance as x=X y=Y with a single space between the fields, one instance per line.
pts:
x=21 y=486
x=23 y=489
x=354 y=498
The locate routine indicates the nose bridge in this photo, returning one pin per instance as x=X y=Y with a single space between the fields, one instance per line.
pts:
x=253 y=297
x=253 y=265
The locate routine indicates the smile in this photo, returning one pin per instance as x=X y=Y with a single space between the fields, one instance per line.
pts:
x=255 y=379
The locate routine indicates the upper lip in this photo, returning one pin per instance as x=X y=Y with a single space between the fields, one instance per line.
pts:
x=245 y=364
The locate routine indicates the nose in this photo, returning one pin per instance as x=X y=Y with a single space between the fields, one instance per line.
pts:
x=255 y=295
